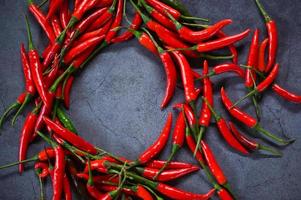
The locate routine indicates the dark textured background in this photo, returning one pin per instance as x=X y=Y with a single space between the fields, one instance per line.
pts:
x=115 y=102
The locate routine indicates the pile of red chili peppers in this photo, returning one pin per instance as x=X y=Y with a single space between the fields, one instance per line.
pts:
x=77 y=31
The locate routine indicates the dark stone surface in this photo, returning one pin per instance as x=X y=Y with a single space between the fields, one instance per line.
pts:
x=115 y=102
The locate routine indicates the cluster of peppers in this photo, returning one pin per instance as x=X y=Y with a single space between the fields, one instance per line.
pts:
x=166 y=29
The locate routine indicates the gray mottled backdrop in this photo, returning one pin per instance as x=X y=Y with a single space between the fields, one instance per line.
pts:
x=115 y=102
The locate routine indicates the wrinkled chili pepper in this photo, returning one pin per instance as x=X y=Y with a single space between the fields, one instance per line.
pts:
x=272 y=35
x=158 y=145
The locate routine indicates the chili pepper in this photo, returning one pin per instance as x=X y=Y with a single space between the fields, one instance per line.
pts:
x=37 y=13
x=43 y=167
x=98 y=165
x=158 y=145
x=64 y=14
x=187 y=77
x=67 y=90
x=188 y=114
x=261 y=55
x=75 y=51
x=36 y=68
x=136 y=23
x=198 y=36
x=59 y=171
x=248 y=120
x=29 y=84
x=223 y=194
x=141 y=192
x=225 y=131
x=90 y=185
x=54 y=7
x=192 y=146
x=232 y=48
x=67 y=188
x=263 y=85
x=145 y=41
x=218 y=43
x=272 y=35
x=252 y=60
x=104 y=3
x=116 y=23
x=170 y=71
x=179 y=6
x=103 y=18
x=56 y=26
x=53 y=74
x=158 y=164
x=70 y=137
x=166 y=175
x=225 y=68
x=286 y=94
x=251 y=144
x=26 y=135
x=162 y=19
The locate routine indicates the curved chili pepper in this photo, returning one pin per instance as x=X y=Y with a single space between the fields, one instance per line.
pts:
x=225 y=68
x=198 y=36
x=166 y=175
x=223 y=194
x=141 y=192
x=187 y=77
x=56 y=26
x=252 y=60
x=58 y=172
x=261 y=55
x=25 y=138
x=225 y=131
x=54 y=7
x=116 y=23
x=158 y=145
x=231 y=47
x=70 y=137
x=286 y=94
x=251 y=144
x=44 y=169
x=158 y=164
x=272 y=35
x=64 y=14
x=248 y=120
x=177 y=194
x=37 y=13
x=29 y=84
x=67 y=90
x=162 y=19
x=136 y=23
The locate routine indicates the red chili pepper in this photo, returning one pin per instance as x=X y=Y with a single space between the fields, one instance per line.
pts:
x=163 y=8
x=177 y=194
x=232 y=48
x=273 y=37
x=141 y=192
x=166 y=175
x=53 y=74
x=261 y=55
x=199 y=36
x=136 y=23
x=54 y=7
x=58 y=173
x=70 y=137
x=67 y=91
x=225 y=131
x=29 y=84
x=56 y=26
x=104 y=3
x=252 y=144
x=223 y=194
x=158 y=145
x=92 y=190
x=248 y=120
x=145 y=40
x=27 y=131
x=192 y=146
x=67 y=188
x=64 y=14
x=286 y=94
x=188 y=113
x=77 y=50
x=43 y=167
x=187 y=77
x=37 y=13
x=213 y=164
x=252 y=60
x=98 y=165
x=46 y=154
x=116 y=23
x=225 y=68
x=158 y=164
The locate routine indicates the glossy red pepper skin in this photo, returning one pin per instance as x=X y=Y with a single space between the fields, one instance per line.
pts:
x=222 y=42
x=50 y=54
x=136 y=23
x=252 y=60
x=67 y=188
x=94 y=192
x=178 y=135
x=188 y=113
x=223 y=194
x=146 y=42
x=177 y=194
x=102 y=19
x=225 y=68
x=82 y=8
x=158 y=164
x=29 y=84
x=205 y=114
x=44 y=169
x=250 y=144
x=187 y=76
x=25 y=138
x=37 y=13
x=75 y=51
x=261 y=55
x=56 y=26
x=213 y=164
x=286 y=94
x=158 y=145
x=64 y=14
x=67 y=91
x=104 y=3
x=142 y=193
x=166 y=175
x=163 y=8
x=70 y=137
x=58 y=173
x=54 y=6
x=232 y=48
x=192 y=145
x=98 y=165
x=46 y=154
x=53 y=74
x=116 y=22
x=268 y=80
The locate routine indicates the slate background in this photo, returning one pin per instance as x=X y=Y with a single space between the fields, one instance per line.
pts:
x=115 y=102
